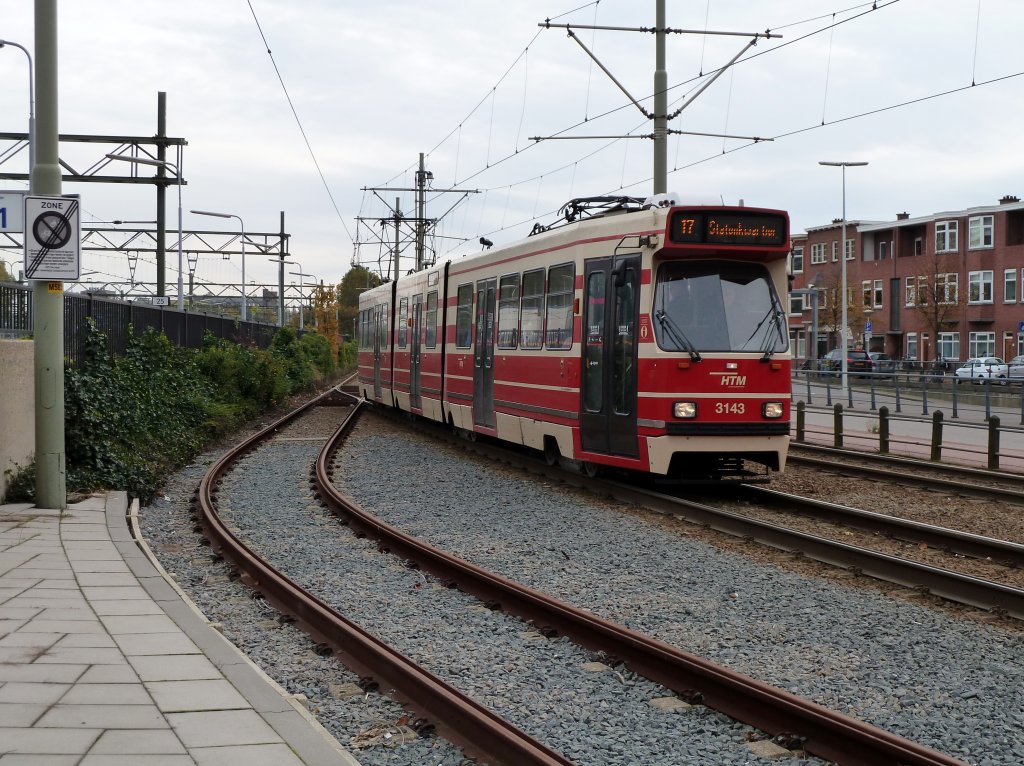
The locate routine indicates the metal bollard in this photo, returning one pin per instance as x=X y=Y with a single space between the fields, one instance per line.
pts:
x=956 y=386
x=801 y=417
x=898 y=408
x=883 y=430
x=837 y=425
x=993 y=443
x=937 y=435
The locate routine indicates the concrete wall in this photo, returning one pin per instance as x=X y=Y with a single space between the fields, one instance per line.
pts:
x=17 y=407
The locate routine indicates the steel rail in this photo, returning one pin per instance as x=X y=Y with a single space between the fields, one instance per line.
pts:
x=954 y=540
x=928 y=482
x=820 y=731
x=481 y=733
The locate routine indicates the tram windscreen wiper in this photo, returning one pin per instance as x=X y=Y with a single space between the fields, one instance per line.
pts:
x=677 y=335
x=772 y=332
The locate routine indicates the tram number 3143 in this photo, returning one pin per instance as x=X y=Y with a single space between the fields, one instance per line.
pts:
x=730 y=408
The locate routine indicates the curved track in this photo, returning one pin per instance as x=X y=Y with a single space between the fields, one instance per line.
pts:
x=817 y=730
x=461 y=719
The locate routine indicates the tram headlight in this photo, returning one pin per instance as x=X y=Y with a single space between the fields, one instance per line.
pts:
x=772 y=410
x=684 y=410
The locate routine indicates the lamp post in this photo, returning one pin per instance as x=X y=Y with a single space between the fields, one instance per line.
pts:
x=302 y=275
x=842 y=257
x=177 y=173
x=31 y=107
x=241 y=223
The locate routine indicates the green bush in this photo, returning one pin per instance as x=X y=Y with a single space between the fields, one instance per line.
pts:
x=317 y=349
x=348 y=356
x=131 y=420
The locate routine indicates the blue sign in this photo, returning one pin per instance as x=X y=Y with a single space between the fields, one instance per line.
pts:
x=1020 y=326
x=868 y=327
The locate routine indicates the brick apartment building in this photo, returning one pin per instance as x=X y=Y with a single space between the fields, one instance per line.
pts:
x=948 y=285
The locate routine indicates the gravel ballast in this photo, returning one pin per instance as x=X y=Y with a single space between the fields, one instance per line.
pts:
x=951 y=684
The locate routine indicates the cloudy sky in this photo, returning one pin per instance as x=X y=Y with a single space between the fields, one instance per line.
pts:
x=469 y=84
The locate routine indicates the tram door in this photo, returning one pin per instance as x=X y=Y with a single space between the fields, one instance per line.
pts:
x=609 y=379
x=483 y=354
x=379 y=330
x=414 y=352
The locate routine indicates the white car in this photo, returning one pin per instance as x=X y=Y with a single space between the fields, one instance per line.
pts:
x=1015 y=369
x=983 y=368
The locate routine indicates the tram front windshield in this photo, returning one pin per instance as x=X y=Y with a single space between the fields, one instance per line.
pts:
x=717 y=306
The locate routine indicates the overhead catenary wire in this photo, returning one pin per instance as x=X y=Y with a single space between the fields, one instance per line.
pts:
x=298 y=121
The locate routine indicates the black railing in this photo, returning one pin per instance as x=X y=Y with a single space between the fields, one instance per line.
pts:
x=116 y=319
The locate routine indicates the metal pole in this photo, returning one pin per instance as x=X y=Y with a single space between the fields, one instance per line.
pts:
x=282 y=251
x=31 y=104
x=48 y=297
x=181 y=286
x=161 y=195
x=398 y=223
x=421 y=202
x=660 y=102
x=245 y=312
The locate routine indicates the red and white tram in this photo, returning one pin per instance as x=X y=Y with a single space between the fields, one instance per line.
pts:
x=643 y=337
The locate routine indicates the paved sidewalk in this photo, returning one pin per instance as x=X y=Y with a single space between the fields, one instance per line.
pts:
x=103 y=664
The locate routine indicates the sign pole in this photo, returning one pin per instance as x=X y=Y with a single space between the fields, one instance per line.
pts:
x=48 y=296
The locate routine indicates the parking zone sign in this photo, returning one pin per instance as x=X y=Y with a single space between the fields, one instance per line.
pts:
x=53 y=238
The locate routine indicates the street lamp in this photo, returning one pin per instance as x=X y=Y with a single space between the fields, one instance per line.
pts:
x=177 y=173
x=241 y=223
x=301 y=275
x=31 y=108
x=842 y=257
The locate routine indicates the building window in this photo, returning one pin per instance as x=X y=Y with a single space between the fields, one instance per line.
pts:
x=918 y=246
x=946 y=236
x=979 y=287
x=817 y=253
x=983 y=344
x=865 y=289
x=849 y=248
x=797 y=304
x=947 y=287
x=910 y=292
x=835 y=250
x=883 y=250
x=947 y=345
x=980 y=230
x=1010 y=286
x=798 y=259
x=912 y=345
x=878 y=293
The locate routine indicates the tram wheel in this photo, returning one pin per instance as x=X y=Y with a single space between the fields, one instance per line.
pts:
x=590 y=470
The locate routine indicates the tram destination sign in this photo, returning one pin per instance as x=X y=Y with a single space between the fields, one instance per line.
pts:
x=709 y=227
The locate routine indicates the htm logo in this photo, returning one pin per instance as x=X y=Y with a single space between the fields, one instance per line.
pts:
x=733 y=381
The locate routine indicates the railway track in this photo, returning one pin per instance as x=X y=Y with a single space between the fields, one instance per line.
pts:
x=960 y=480
x=796 y=721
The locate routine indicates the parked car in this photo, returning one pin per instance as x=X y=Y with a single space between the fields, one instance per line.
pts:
x=1015 y=369
x=856 y=362
x=882 y=364
x=983 y=368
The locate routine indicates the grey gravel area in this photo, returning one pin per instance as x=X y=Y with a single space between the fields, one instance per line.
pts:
x=550 y=688
x=954 y=685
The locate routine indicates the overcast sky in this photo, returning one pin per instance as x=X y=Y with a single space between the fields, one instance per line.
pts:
x=469 y=83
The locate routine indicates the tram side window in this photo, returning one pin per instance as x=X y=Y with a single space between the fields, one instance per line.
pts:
x=403 y=322
x=561 y=284
x=464 y=317
x=508 y=311
x=382 y=324
x=531 y=323
x=432 y=319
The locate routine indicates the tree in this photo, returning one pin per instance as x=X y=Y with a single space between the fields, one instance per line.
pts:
x=830 y=310
x=5 y=275
x=325 y=314
x=358 y=280
x=936 y=300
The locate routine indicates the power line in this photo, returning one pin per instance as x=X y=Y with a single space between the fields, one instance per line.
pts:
x=302 y=130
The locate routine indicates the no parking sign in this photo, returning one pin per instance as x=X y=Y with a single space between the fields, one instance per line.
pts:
x=53 y=238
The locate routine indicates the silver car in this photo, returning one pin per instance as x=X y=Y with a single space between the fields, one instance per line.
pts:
x=983 y=368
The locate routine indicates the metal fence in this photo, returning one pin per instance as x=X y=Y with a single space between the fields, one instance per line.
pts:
x=121 y=320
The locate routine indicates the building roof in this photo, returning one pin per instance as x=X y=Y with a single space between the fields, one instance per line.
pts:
x=971 y=211
x=838 y=224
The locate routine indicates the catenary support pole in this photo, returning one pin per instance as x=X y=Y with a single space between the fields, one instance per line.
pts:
x=48 y=297
x=660 y=103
